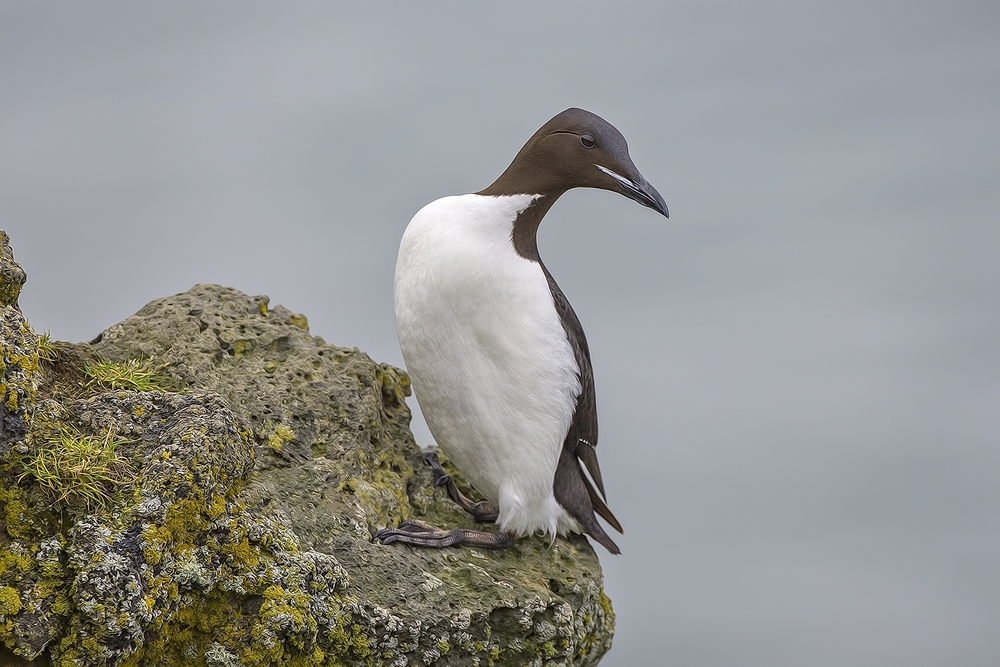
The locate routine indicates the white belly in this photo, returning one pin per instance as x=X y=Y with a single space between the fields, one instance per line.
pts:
x=491 y=367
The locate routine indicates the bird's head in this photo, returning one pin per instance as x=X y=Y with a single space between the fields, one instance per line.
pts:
x=577 y=149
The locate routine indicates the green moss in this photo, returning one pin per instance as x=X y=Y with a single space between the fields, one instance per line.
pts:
x=46 y=348
x=80 y=469
x=130 y=375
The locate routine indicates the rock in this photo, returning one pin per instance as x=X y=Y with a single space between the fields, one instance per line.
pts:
x=19 y=348
x=12 y=276
x=245 y=536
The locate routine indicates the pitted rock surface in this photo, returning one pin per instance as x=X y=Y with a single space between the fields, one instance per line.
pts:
x=246 y=539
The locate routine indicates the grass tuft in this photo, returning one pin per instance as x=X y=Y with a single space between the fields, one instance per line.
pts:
x=81 y=469
x=132 y=374
x=46 y=348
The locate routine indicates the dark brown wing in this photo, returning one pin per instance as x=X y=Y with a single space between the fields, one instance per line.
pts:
x=571 y=487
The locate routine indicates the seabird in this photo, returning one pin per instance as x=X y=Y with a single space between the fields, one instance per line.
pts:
x=497 y=357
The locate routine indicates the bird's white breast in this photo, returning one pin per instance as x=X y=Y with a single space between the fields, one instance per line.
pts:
x=491 y=366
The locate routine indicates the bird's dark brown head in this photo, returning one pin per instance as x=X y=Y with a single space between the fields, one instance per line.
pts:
x=576 y=149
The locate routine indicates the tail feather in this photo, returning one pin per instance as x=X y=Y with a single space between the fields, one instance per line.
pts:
x=575 y=494
x=601 y=507
x=588 y=455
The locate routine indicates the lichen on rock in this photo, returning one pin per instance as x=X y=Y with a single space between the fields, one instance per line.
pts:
x=246 y=537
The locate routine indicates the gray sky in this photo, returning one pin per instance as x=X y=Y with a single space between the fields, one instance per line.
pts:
x=798 y=374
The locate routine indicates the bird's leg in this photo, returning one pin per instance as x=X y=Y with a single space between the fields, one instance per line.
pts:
x=481 y=511
x=425 y=535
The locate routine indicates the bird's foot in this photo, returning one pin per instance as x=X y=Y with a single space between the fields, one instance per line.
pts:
x=481 y=511
x=423 y=534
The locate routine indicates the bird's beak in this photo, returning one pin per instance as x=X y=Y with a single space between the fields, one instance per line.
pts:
x=639 y=190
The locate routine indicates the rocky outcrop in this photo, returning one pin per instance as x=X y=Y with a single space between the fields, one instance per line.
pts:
x=260 y=468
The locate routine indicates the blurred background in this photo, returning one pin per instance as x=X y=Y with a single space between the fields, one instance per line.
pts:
x=798 y=374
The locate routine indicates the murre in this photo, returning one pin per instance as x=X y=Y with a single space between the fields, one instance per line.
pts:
x=497 y=357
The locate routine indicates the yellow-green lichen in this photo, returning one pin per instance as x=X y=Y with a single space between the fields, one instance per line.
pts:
x=349 y=639
x=19 y=522
x=281 y=434
x=10 y=601
x=241 y=348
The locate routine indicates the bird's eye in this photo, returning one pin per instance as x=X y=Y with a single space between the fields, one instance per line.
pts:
x=587 y=141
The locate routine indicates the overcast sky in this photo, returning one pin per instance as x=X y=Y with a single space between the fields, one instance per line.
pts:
x=798 y=374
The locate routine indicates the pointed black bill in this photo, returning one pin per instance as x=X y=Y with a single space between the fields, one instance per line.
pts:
x=640 y=191
x=647 y=195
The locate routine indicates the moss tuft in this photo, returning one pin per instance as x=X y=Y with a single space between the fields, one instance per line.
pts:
x=46 y=348
x=130 y=375
x=81 y=470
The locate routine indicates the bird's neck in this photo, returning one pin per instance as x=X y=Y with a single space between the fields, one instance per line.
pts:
x=524 y=232
x=528 y=174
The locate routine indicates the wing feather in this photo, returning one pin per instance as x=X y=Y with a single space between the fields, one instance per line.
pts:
x=572 y=488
